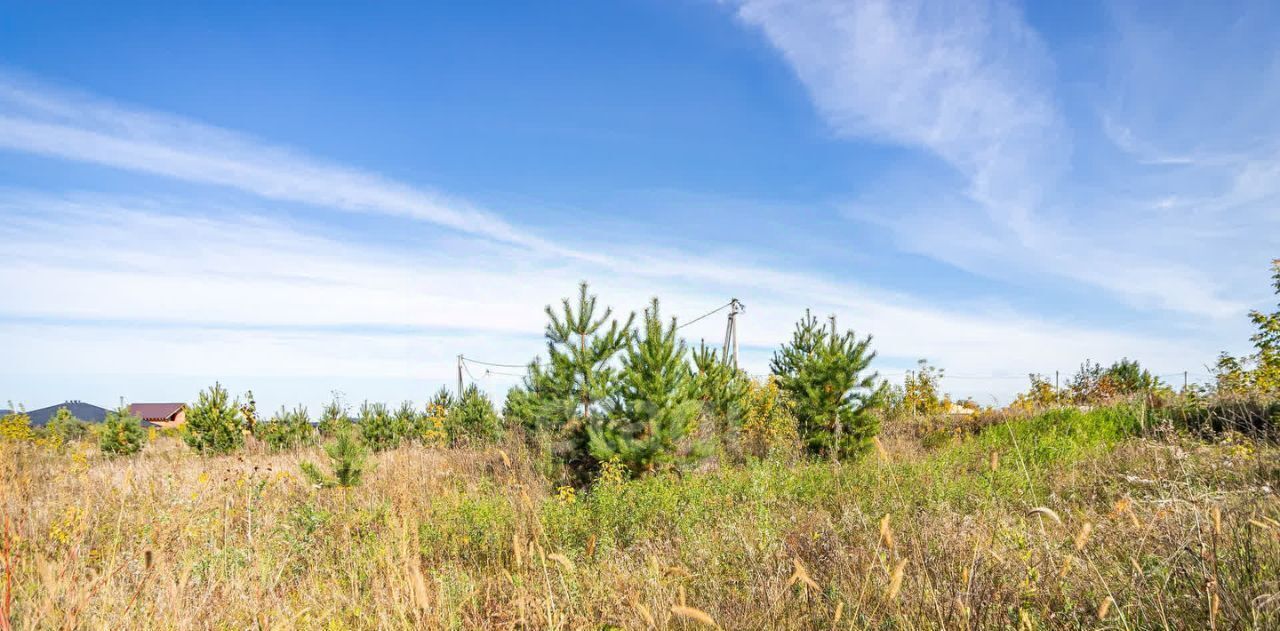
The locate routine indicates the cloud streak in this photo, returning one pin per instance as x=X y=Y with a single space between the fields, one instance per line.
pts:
x=66 y=125
x=972 y=84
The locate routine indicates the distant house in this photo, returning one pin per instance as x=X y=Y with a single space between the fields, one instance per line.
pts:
x=86 y=412
x=160 y=414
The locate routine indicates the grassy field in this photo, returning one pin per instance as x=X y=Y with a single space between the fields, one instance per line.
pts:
x=1063 y=520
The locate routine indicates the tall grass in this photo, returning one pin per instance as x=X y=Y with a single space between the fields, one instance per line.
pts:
x=1154 y=529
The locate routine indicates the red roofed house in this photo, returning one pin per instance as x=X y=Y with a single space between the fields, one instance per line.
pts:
x=161 y=414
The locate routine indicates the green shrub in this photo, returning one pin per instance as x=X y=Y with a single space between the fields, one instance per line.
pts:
x=287 y=429
x=936 y=439
x=824 y=374
x=406 y=421
x=378 y=427
x=121 y=433
x=215 y=423
x=347 y=460
x=66 y=426
x=473 y=418
x=652 y=416
x=332 y=418
x=477 y=527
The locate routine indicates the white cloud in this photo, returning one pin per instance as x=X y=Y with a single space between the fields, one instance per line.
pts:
x=241 y=295
x=961 y=80
x=972 y=84
x=62 y=124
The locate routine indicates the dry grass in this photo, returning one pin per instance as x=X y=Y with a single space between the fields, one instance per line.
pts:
x=1163 y=532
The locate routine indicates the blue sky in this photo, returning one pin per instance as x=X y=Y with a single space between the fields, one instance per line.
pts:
x=303 y=198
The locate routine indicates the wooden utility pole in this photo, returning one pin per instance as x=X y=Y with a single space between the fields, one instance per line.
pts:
x=459 y=377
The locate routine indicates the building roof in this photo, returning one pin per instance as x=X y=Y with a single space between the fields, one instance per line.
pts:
x=155 y=411
x=87 y=412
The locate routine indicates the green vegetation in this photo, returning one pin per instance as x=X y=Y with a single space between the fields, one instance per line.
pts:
x=654 y=409
x=287 y=429
x=215 y=424
x=348 y=462
x=824 y=373
x=121 y=433
x=1257 y=374
x=472 y=419
x=66 y=426
x=332 y=418
x=569 y=393
x=378 y=427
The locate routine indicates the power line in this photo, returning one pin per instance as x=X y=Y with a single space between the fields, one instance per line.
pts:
x=712 y=312
x=476 y=361
x=504 y=374
x=464 y=367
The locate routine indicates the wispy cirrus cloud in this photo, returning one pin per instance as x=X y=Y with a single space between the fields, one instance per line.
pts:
x=973 y=85
x=963 y=81
x=62 y=124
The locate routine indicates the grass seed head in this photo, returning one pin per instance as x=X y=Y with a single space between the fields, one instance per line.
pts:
x=696 y=615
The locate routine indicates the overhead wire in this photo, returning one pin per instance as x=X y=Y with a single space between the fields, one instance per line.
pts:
x=709 y=313
x=484 y=363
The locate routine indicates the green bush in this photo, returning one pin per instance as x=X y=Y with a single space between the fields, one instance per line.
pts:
x=824 y=373
x=121 y=433
x=66 y=426
x=332 y=418
x=407 y=421
x=650 y=422
x=473 y=418
x=215 y=423
x=477 y=526
x=287 y=429
x=378 y=427
x=347 y=460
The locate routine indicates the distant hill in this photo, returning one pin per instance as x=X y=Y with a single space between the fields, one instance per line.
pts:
x=86 y=412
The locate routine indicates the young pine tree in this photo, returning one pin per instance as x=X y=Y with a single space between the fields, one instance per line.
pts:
x=443 y=398
x=473 y=419
x=567 y=393
x=825 y=376
x=721 y=388
x=332 y=418
x=215 y=424
x=121 y=433
x=378 y=427
x=66 y=426
x=347 y=459
x=287 y=429
x=406 y=421
x=519 y=407
x=654 y=413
